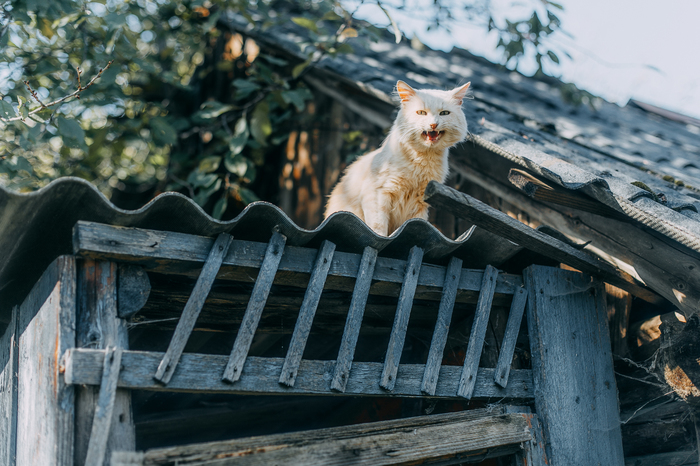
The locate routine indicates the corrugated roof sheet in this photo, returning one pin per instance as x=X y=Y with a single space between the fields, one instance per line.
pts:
x=36 y=227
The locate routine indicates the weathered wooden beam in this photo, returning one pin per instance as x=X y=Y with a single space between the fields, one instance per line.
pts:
x=133 y=290
x=306 y=314
x=576 y=394
x=9 y=360
x=193 y=307
x=487 y=217
x=405 y=441
x=442 y=326
x=515 y=318
x=478 y=333
x=200 y=373
x=403 y=312
x=346 y=353
x=99 y=326
x=674 y=458
x=97 y=447
x=182 y=254
x=45 y=403
x=258 y=297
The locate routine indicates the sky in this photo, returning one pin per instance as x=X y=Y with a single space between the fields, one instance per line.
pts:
x=620 y=49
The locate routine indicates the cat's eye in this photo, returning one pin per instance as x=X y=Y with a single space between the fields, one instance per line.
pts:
x=422 y=112
x=444 y=112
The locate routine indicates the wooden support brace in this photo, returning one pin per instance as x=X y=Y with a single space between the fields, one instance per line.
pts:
x=346 y=353
x=478 y=333
x=105 y=406
x=258 y=298
x=193 y=308
x=442 y=326
x=515 y=318
x=307 y=313
x=403 y=312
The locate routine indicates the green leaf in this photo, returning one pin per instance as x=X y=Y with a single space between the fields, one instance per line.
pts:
x=162 y=132
x=297 y=70
x=260 y=126
x=555 y=5
x=71 y=132
x=274 y=60
x=212 y=109
x=201 y=180
x=45 y=28
x=7 y=110
x=552 y=56
x=236 y=164
x=204 y=194
x=220 y=207
x=247 y=196
x=244 y=87
x=209 y=164
x=306 y=23
x=298 y=97
x=240 y=136
x=23 y=164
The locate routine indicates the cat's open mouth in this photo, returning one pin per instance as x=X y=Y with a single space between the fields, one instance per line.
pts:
x=432 y=136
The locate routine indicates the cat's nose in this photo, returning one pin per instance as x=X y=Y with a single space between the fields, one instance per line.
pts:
x=433 y=125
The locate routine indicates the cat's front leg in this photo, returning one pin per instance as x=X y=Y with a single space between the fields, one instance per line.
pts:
x=376 y=209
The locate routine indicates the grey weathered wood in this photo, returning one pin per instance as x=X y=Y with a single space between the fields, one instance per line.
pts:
x=515 y=318
x=403 y=312
x=406 y=441
x=201 y=373
x=133 y=290
x=575 y=395
x=45 y=403
x=346 y=353
x=307 y=313
x=268 y=269
x=178 y=253
x=8 y=391
x=193 y=308
x=478 y=333
x=442 y=326
x=99 y=326
x=487 y=217
x=104 y=408
x=673 y=458
x=534 y=450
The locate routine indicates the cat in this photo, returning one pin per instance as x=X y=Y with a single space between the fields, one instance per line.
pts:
x=385 y=187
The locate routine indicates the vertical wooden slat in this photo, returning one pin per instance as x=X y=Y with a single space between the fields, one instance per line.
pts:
x=193 y=307
x=98 y=326
x=346 y=353
x=442 y=326
x=478 y=333
x=8 y=391
x=515 y=318
x=307 y=313
x=572 y=367
x=97 y=448
x=403 y=312
x=258 y=298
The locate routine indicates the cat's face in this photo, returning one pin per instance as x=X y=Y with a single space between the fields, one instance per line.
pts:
x=431 y=119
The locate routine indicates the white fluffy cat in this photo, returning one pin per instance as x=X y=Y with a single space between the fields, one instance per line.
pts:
x=385 y=187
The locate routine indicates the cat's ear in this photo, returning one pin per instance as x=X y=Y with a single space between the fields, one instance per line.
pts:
x=405 y=91
x=459 y=93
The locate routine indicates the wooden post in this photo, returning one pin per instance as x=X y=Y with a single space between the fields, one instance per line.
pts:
x=575 y=391
x=45 y=403
x=98 y=327
x=8 y=391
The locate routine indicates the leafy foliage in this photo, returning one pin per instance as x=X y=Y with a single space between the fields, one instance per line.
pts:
x=162 y=93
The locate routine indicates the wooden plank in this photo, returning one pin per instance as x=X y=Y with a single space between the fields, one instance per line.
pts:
x=405 y=441
x=674 y=458
x=99 y=326
x=575 y=390
x=515 y=318
x=487 y=217
x=478 y=333
x=133 y=290
x=200 y=374
x=403 y=312
x=346 y=353
x=258 y=297
x=193 y=308
x=97 y=447
x=307 y=313
x=8 y=391
x=442 y=326
x=178 y=253
x=45 y=403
